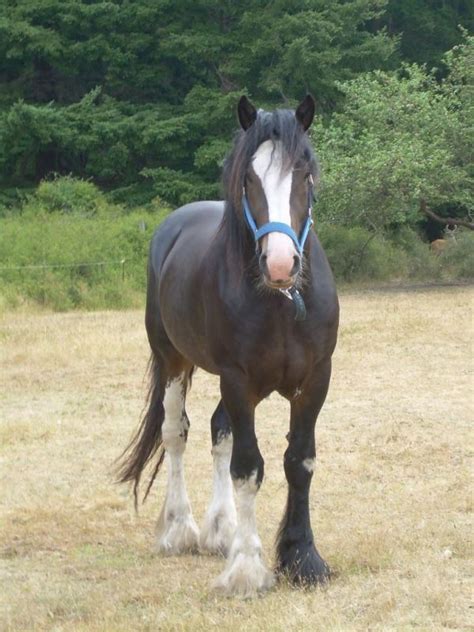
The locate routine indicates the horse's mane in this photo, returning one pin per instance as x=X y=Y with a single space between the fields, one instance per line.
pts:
x=280 y=125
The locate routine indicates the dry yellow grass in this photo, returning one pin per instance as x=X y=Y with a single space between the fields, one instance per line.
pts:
x=391 y=499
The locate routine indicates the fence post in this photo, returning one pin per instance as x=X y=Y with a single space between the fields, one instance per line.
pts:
x=43 y=290
x=123 y=269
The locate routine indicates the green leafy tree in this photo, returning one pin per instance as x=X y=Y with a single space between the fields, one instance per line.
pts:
x=427 y=28
x=141 y=93
x=400 y=139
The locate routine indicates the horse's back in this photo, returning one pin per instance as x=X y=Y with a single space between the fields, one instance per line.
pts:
x=198 y=221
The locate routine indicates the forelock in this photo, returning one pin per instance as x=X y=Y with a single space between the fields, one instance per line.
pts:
x=280 y=125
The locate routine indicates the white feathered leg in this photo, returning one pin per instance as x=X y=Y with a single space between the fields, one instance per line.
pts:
x=245 y=573
x=176 y=529
x=220 y=522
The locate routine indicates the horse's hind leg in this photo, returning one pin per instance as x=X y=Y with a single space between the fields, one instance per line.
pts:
x=221 y=518
x=176 y=530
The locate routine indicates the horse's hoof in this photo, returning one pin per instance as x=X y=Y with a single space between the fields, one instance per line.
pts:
x=217 y=533
x=245 y=576
x=302 y=565
x=177 y=536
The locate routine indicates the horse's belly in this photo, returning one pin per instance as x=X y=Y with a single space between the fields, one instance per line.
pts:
x=192 y=343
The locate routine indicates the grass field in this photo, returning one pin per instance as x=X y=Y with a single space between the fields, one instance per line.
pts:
x=391 y=496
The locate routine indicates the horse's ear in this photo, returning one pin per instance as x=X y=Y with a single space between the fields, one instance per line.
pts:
x=305 y=111
x=247 y=113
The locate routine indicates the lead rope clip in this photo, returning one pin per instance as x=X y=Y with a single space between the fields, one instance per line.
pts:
x=293 y=295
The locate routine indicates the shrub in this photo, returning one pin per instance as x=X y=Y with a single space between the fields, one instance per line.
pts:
x=401 y=137
x=458 y=258
x=70 y=260
x=68 y=196
x=357 y=254
x=420 y=261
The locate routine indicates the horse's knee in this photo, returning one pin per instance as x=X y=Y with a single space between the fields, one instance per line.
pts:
x=298 y=468
x=246 y=462
x=220 y=424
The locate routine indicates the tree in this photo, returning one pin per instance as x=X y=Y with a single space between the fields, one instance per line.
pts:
x=401 y=138
x=118 y=90
x=427 y=28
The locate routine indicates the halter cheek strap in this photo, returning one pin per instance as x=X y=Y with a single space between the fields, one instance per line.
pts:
x=278 y=227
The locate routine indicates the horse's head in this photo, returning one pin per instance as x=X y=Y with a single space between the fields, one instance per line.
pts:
x=278 y=187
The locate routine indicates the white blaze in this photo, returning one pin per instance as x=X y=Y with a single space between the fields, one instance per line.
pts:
x=267 y=164
x=309 y=464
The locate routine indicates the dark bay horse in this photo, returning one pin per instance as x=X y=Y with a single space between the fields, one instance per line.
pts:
x=242 y=289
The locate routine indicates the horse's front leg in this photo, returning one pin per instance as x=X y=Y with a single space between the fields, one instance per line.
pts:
x=298 y=558
x=245 y=573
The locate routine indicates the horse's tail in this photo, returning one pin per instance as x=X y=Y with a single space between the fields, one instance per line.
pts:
x=146 y=444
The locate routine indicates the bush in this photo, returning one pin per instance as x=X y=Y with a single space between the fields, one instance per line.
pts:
x=401 y=137
x=68 y=196
x=458 y=258
x=421 y=263
x=356 y=254
x=70 y=248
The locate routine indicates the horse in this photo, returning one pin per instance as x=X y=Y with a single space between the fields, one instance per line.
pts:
x=242 y=289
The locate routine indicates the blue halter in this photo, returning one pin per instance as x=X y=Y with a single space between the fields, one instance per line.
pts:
x=278 y=227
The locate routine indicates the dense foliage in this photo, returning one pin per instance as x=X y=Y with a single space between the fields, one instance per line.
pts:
x=70 y=247
x=139 y=95
x=401 y=137
x=428 y=28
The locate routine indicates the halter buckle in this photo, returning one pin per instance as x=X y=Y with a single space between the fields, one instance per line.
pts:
x=286 y=293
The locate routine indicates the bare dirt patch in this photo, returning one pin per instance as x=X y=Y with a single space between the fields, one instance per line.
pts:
x=391 y=497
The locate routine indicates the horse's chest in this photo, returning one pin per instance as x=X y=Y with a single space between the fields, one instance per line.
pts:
x=279 y=362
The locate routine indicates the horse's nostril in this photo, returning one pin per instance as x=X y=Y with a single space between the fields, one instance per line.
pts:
x=296 y=265
x=262 y=262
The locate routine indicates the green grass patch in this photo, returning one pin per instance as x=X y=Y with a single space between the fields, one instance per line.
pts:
x=84 y=262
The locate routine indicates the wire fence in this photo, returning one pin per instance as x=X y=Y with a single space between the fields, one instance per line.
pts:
x=105 y=283
x=70 y=262
x=84 y=264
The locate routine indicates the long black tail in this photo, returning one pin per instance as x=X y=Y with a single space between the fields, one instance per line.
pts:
x=146 y=445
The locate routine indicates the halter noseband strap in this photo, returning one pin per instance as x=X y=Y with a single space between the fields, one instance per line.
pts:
x=278 y=227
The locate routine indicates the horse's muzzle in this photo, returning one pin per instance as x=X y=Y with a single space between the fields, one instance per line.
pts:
x=280 y=273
